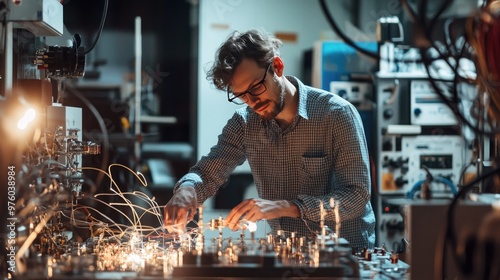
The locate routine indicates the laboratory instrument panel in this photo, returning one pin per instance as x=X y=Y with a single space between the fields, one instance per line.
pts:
x=354 y=92
x=420 y=149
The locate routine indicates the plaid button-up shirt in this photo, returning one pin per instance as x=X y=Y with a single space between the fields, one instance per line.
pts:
x=322 y=154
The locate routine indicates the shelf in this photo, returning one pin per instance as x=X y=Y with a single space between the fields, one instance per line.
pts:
x=158 y=119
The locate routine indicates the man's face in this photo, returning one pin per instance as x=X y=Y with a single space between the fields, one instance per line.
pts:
x=247 y=76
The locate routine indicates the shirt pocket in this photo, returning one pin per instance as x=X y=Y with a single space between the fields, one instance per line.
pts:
x=316 y=175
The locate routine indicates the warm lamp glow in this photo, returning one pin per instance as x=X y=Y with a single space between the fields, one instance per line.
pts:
x=28 y=117
x=252 y=227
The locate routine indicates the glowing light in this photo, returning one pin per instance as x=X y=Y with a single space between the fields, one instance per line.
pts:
x=252 y=227
x=248 y=225
x=28 y=117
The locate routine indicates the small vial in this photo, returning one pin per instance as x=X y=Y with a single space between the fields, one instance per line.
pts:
x=394 y=257
x=368 y=255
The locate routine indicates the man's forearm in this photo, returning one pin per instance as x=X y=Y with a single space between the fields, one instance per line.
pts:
x=291 y=209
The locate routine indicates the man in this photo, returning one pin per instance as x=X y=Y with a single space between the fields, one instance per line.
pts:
x=304 y=145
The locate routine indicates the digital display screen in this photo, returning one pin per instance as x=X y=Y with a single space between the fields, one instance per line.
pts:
x=437 y=161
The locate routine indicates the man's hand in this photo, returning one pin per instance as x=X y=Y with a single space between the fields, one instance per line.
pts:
x=180 y=209
x=256 y=209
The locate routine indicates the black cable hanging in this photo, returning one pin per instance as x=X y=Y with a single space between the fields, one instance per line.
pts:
x=339 y=32
x=101 y=26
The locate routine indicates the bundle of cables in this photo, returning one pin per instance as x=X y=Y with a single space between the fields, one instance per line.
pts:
x=478 y=256
x=483 y=31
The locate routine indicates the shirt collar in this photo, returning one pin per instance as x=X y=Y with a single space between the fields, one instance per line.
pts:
x=302 y=91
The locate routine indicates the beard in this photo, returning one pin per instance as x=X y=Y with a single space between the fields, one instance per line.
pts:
x=274 y=107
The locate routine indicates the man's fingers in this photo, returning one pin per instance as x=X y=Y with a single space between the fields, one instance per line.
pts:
x=254 y=215
x=180 y=206
x=170 y=229
x=171 y=214
x=175 y=219
x=192 y=213
x=233 y=219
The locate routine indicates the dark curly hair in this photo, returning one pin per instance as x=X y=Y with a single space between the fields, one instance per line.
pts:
x=253 y=44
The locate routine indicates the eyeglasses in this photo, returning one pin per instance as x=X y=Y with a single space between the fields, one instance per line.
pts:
x=256 y=90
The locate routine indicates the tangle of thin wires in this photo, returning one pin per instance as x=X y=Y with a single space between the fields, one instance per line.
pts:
x=101 y=226
x=483 y=30
x=134 y=222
